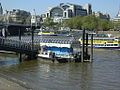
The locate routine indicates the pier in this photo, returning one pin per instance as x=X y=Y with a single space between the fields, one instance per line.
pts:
x=19 y=47
x=30 y=45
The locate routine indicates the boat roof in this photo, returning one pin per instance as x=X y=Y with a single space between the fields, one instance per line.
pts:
x=48 y=39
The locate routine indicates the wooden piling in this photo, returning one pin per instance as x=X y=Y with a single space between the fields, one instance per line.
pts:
x=86 y=44
x=20 y=57
x=91 y=57
x=83 y=45
x=32 y=31
x=20 y=54
x=19 y=34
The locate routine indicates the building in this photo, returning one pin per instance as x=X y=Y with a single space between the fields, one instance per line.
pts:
x=102 y=15
x=66 y=11
x=18 y=16
x=88 y=7
x=1 y=10
x=117 y=18
x=116 y=21
x=36 y=20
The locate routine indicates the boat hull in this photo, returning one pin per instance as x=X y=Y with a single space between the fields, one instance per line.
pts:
x=54 y=60
x=59 y=59
x=104 y=47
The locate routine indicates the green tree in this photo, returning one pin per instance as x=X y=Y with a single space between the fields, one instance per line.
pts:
x=89 y=22
x=117 y=25
x=1 y=19
x=74 y=23
x=77 y=22
x=49 y=23
x=105 y=24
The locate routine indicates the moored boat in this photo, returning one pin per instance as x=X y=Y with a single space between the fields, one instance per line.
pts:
x=60 y=49
x=104 y=41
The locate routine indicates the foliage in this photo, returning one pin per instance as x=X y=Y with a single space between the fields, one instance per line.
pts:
x=88 y=22
x=117 y=25
x=49 y=23
x=1 y=19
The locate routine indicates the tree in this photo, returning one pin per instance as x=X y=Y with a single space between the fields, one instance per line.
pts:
x=104 y=24
x=74 y=23
x=117 y=25
x=1 y=19
x=90 y=22
x=49 y=23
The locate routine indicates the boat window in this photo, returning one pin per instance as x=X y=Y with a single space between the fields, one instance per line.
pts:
x=115 y=44
x=108 y=44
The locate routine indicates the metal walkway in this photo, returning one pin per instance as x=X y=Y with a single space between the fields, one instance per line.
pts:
x=18 y=46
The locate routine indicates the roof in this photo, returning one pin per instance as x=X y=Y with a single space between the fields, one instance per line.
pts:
x=48 y=39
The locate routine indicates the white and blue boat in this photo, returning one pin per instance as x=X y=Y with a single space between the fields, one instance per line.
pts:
x=59 y=48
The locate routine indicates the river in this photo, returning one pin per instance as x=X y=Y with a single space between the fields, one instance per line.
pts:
x=102 y=74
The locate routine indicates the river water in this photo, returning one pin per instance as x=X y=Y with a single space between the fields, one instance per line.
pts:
x=102 y=74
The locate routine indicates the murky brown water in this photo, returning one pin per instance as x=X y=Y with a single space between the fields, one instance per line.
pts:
x=102 y=74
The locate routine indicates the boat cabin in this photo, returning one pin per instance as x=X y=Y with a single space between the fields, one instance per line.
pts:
x=61 y=46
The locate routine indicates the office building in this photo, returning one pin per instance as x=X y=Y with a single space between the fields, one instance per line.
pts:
x=66 y=11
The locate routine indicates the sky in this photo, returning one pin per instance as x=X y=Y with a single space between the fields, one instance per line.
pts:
x=41 y=6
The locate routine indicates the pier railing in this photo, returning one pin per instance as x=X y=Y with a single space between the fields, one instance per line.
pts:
x=17 y=46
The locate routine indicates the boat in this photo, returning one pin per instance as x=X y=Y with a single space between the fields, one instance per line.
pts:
x=104 y=41
x=46 y=33
x=60 y=49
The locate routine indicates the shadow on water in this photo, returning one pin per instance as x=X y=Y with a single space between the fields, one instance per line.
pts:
x=8 y=59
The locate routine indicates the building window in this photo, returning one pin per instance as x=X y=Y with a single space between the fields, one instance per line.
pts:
x=65 y=14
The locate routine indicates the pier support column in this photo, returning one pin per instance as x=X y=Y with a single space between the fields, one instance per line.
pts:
x=19 y=34
x=20 y=54
x=32 y=31
x=91 y=57
x=83 y=46
x=20 y=57
x=86 y=44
